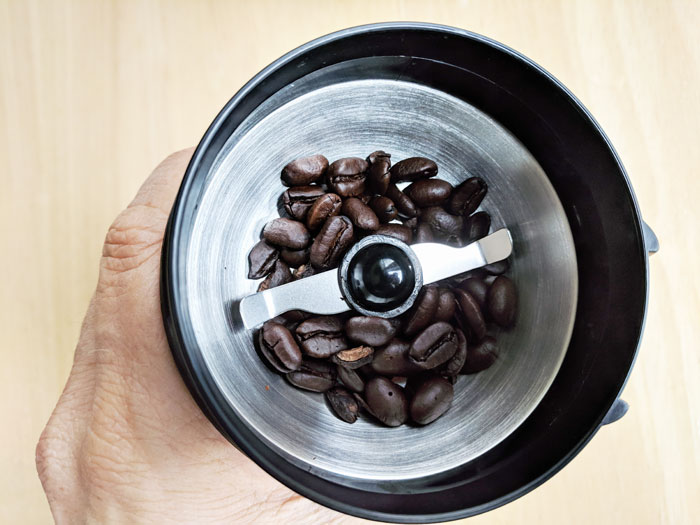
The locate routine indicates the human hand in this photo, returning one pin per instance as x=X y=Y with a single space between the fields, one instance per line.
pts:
x=126 y=442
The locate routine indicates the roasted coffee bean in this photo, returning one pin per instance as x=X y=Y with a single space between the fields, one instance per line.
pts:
x=321 y=336
x=384 y=208
x=295 y=258
x=412 y=169
x=393 y=360
x=317 y=376
x=467 y=197
x=280 y=275
x=305 y=270
x=431 y=400
x=278 y=346
x=476 y=227
x=325 y=206
x=446 y=305
x=434 y=346
x=351 y=379
x=378 y=176
x=424 y=233
x=429 y=192
x=454 y=366
x=502 y=301
x=481 y=356
x=360 y=214
x=477 y=288
x=261 y=260
x=386 y=401
x=397 y=231
x=471 y=313
x=372 y=331
x=411 y=223
x=445 y=226
x=331 y=243
x=403 y=202
x=422 y=313
x=286 y=233
x=346 y=177
x=304 y=170
x=298 y=200
x=353 y=358
x=497 y=268
x=292 y=318
x=343 y=404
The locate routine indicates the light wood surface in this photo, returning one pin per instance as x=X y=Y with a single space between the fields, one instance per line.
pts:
x=93 y=94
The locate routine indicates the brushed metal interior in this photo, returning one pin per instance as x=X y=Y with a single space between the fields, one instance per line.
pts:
x=355 y=118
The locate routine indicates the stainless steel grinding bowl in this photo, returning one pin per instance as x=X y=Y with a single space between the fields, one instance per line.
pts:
x=343 y=100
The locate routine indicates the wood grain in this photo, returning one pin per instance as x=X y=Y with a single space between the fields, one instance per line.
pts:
x=93 y=94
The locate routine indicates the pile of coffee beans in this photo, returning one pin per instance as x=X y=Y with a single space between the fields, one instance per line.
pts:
x=398 y=369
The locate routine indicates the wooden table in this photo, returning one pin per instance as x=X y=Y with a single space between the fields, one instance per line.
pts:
x=94 y=94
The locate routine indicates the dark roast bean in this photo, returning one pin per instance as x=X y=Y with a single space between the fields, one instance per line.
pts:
x=393 y=360
x=286 y=233
x=411 y=223
x=502 y=301
x=321 y=336
x=422 y=312
x=360 y=214
x=424 y=233
x=481 y=356
x=373 y=331
x=477 y=288
x=431 y=400
x=446 y=305
x=304 y=170
x=445 y=226
x=280 y=275
x=292 y=318
x=403 y=203
x=305 y=270
x=384 y=208
x=476 y=227
x=467 y=196
x=325 y=206
x=351 y=379
x=497 y=268
x=346 y=177
x=317 y=376
x=354 y=357
x=343 y=404
x=454 y=366
x=434 y=346
x=378 y=176
x=297 y=201
x=429 y=192
x=386 y=401
x=412 y=169
x=331 y=243
x=278 y=346
x=295 y=258
x=471 y=313
x=397 y=231
x=261 y=260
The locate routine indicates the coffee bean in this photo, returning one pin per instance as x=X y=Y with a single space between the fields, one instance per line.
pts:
x=331 y=243
x=411 y=223
x=445 y=226
x=353 y=358
x=392 y=360
x=261 y=260
x=471 y=313
x=305 y=270
x=292 y=318
x=423 y=311
x=350 y=379
x=298 y=200
x=446 y=305
x=316 y=376
x=343 y=404
x=324 y=207
x=346 y=177
x=378 y=176
x=386 y=401
x=372 y=331
x=360 y=214
x=397 y=231
x=278 y=346
x=280 y=275
x=304 y=170
x=424 y=233
x=431 y=400
x=384 y=208
x=429 y=192
x=467 y=197
x=403 y=202
x=413 y=168
x=497 y=268
x=434 y=346
x=321 y=336
x=481 y=356
x=502 y=301
x=477 y=288
x=295 y=258
x=476 y=227
x=454 y=366
x=286 y=233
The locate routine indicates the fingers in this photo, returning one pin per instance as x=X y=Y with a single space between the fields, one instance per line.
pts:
x=160 y=188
